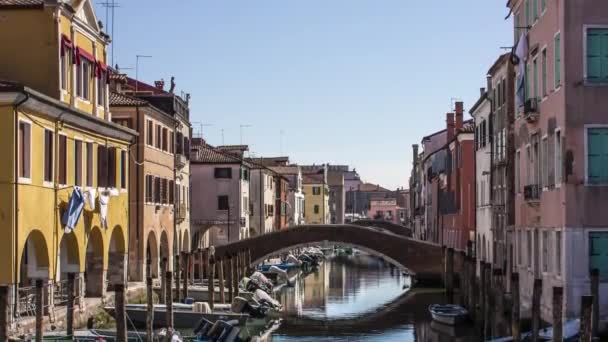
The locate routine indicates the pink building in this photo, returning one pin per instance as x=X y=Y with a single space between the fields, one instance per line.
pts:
x=384 y=208
x=561 y=149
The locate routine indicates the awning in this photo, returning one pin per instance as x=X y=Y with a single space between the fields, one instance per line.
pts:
x=65 y=43
x=81 y=53
x=100 y=68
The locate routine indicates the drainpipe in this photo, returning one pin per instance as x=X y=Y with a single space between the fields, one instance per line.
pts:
x=16 y=197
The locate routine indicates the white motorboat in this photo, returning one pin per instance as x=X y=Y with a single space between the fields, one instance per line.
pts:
x=448 y=313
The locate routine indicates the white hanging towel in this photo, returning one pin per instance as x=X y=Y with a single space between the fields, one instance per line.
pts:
x=104 y=199
x=89 y=197
x=114 y=192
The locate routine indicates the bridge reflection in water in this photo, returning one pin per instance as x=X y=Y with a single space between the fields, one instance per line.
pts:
x=360 y=298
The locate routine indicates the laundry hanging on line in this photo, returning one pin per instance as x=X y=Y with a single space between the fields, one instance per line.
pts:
x=71 y=216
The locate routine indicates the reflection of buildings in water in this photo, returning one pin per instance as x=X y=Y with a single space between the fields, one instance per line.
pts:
x=316 y=286
x=337 y=275
x=291 y=299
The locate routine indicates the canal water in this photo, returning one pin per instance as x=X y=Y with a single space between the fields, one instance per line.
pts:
x=361 y=298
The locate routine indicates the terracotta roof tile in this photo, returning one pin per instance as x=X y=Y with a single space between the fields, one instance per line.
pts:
x=207 y=154
x=117 y=99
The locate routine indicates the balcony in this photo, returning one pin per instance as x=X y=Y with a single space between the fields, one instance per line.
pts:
x=180 y=160
x=532 y=193
x=531 y=110
x=180 y=212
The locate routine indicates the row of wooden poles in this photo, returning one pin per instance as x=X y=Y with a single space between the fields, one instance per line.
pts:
x=238 y=265
x=488 y=290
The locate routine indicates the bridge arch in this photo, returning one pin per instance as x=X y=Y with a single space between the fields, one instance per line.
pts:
x=422 y=259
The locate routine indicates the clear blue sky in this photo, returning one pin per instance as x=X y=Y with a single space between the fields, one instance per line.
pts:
x=349 y=81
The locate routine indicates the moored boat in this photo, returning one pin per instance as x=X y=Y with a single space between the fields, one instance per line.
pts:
x=448 y=313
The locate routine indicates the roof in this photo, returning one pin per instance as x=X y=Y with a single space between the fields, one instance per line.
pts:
x=117 y=99
x=499 y=62
x=207 y=154
x=21 y=3
x=369 y=187
x=271 y=161
x=233 y=147
x=145 y=87
x=468 y=128
x=478 y=103
x=115 y=76
x=285 y=170
x=313 y=179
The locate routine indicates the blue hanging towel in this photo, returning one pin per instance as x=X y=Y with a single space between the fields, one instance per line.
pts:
x=72 y=214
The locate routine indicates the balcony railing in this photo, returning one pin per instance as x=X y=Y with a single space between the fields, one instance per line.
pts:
x=532 y=192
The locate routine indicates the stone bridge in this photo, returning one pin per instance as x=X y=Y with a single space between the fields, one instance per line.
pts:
x=422 y=259
x=390 y=226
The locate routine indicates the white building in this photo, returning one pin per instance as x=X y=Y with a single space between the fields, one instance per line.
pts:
x=481 y=114
x=296 y=197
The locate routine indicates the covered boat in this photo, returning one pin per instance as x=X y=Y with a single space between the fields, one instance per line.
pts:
x=448 y=313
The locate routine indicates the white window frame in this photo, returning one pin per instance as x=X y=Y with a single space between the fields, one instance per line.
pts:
x=585 y=144
x=26 y=180
x=558 y=165
x=586 y=27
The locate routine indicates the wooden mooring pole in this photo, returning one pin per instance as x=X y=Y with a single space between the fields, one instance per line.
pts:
x=169 y=301
x=177 y=278
x=558 y=302
x=163 y=282
x=595 y=292
x=464 y=279
x=211 y=282
x=4 y=314
x=70 y=306
x=220 y=271
x=120 y=313
x=515 y=324
x=472 y=289
x=537 y=292
x=235 y=280
x=487 y=273
x=39 y=309
x=230 y=276
x=449 y=277
x=185 y=274
x=149 y=310
x=586 y=319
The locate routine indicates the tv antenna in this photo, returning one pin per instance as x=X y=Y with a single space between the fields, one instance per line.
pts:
x=110 y=6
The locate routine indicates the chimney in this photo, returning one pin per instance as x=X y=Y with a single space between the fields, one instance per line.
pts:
x=459 y=115
x=482 y=91
x=415 y=153
x=449 y=120
x=489 y=83
x=160 y=84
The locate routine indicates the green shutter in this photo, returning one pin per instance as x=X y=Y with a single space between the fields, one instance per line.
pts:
x=597 y=155
x=558 y=60
x=594 y=57
x=527 y=81
x=535 y=78
x=535 y=9
x=544 y=72
x=598 y=252
x=604 y=55
x=527 y=5
x=543 y=5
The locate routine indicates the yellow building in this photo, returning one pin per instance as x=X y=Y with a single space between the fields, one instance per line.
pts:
x=55 y=125
x=316 y=199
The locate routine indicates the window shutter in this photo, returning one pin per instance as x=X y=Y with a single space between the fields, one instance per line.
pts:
x=171 y=190
x=123 y=169
x=604 y=54
x=594 y=57
x=48 y=155
x=557 y=60
x=102 y=166
x=89 y=164
x=77 y=162
x=26 y=150
x=595 y=151
x=62 y=159
x=111 y=151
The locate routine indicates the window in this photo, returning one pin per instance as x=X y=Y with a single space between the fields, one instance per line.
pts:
x=527 y=9
x=223 y=172
x=270 y=210
x=316 y=190
x=535 y=78
x=163 y=191
x=149 y=188
x=517 y=26
x=150 y=133
x=101 y=88
x=598 y=253
x=63 y=152
x=171 y=142
x=123 y=169
x=222 y=202
x=528 y=179
x=520 y=244
x=557 y=63
x=597 y=155
x=78 y=162
x=83 y=79
x=517 y=175
x=158 y=137
x=49 y=155
x=527 y=81
x=245 y=174
x=89 y=161
x=25 y=149
x=597 y=56
x=459 y=152
x=165 y=140
x=316 y=209
x=545 y=162
x=171 y=190
x=66 y=64
x=558 y=252
x=157 y=190
x=558 y=157
x=529 y=245
x=536 y=164
x=543 y=6
x=245 y=204
x=545 y=251
x=112 y=167
x=535 y=9
x=544 y=72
